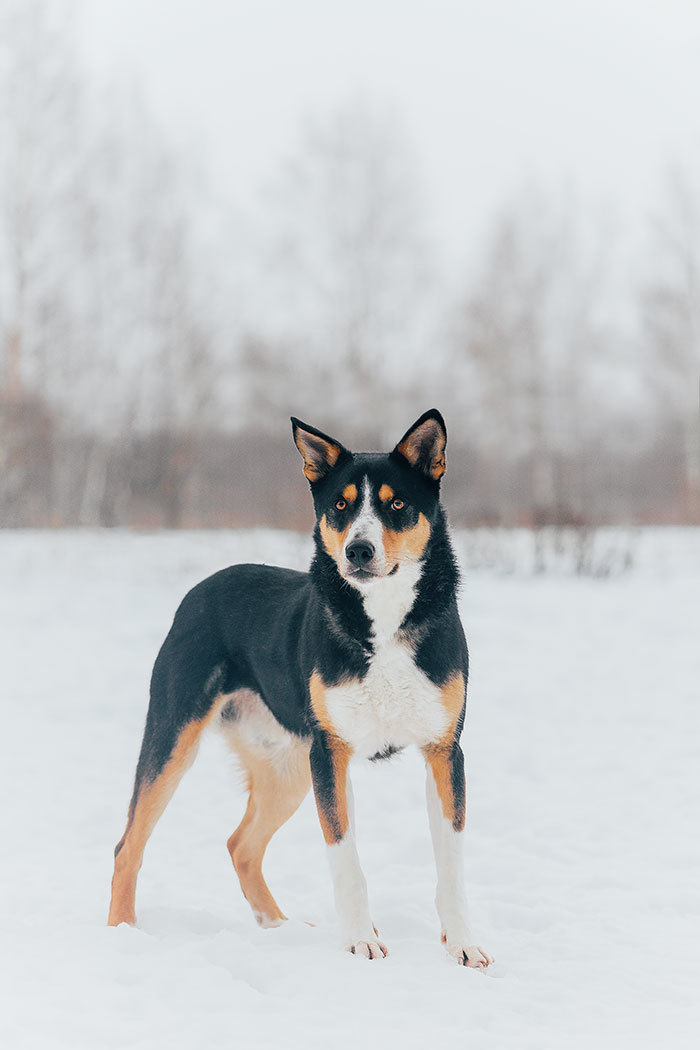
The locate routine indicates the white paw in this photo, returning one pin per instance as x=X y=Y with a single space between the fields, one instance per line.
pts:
x=268 y=922
x=369 y=949
x=467 y=955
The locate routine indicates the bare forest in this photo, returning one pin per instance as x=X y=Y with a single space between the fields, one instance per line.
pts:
x=154 y=338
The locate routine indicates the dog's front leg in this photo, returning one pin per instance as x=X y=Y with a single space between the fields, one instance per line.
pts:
x=446 y=807
x=330 y=757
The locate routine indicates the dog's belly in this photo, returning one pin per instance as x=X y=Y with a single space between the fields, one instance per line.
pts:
x=250 y=726
x=394 y=705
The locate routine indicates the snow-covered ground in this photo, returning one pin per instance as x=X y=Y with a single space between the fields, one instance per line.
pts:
x=583 y=761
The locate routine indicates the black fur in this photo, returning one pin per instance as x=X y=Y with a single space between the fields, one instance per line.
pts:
x=325 y=786
x=458 y=785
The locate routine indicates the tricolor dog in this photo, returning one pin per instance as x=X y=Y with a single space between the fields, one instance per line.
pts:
x=304 y=672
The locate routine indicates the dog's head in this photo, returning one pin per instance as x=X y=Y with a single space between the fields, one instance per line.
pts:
x=375 y=511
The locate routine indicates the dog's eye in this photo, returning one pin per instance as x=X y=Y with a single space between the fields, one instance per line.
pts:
x=398 y=504
x=340 y=504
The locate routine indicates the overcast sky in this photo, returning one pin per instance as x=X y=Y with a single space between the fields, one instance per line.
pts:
x=599 y=95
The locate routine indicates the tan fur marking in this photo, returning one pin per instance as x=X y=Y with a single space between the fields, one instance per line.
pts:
x=438 y=755
x=333 y=540
x=406 y=544
x=341 y=753
x=317 y=693
x=439 y=762
x=412 y=447
x=149 y=806
x=453 y=701
x=332 y=823
x=386 y=493
x=350 y=493
x=274 y=796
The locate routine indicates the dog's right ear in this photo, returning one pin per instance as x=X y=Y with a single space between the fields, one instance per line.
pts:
x=320 y=452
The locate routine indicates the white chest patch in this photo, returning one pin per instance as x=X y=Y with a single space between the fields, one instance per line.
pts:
x=395 y=704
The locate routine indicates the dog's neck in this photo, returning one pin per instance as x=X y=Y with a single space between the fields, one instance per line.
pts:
x=439 y=582
x=388 y=601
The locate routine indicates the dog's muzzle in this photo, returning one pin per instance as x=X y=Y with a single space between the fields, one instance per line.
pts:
x=360 y=559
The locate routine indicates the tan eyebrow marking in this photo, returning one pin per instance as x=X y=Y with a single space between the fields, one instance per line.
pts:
x=386 y=493
x=350 y=493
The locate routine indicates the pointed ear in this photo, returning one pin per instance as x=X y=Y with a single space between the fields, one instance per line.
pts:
x=423 y=444
x=321 y=453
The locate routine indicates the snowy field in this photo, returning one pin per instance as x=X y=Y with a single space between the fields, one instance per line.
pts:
x=583 y=759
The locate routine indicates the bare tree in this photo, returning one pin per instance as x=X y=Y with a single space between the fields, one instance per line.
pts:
x=348 y=265
x=105 y=296
x=670 y=308
x=527 y=345
x=40 y=132
x=137 y=382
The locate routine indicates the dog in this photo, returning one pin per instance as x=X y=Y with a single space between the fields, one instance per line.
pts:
x=361 y=657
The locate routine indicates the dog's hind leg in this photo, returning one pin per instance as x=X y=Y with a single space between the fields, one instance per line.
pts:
x=171 y=738
x=147 y=805
x=278 y=784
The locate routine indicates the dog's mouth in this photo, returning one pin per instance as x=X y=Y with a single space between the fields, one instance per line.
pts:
x=361 y=575
x=365 y=575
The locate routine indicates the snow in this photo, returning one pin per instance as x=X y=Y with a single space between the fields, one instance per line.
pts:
x=582 y=759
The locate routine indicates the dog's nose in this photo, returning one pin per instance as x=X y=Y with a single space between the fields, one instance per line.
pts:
x=359 y=552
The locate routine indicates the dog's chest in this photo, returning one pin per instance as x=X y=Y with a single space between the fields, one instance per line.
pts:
x=394 y=705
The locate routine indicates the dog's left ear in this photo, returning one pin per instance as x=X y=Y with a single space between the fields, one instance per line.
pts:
x=423 y=444
x=320 y=452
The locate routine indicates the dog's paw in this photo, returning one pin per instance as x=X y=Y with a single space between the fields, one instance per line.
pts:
x=269 y=922
x=369 y=949
x=467 y=955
